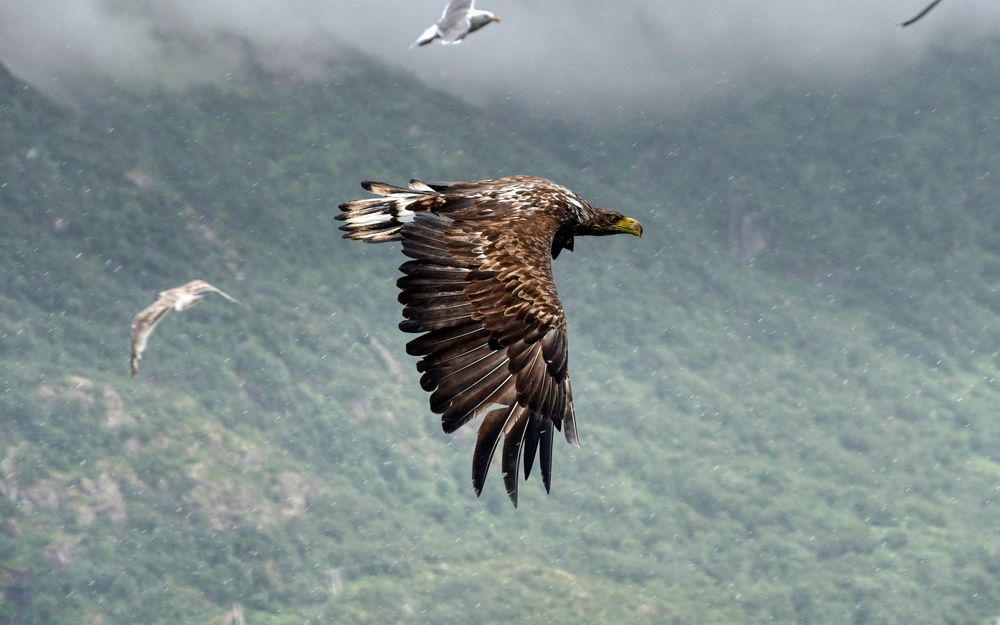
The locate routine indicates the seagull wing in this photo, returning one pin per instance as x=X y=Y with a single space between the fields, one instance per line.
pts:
x=144 y=324
x=427 y=36
x=454 y=23
x=456 y=6
x=198 y=287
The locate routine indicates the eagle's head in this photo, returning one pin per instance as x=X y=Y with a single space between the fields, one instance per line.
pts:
x=601 y=221
x=593 y=221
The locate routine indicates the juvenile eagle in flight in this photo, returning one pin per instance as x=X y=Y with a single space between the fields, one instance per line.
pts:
x=179 y=298
x=480 y=289
x=458 y=20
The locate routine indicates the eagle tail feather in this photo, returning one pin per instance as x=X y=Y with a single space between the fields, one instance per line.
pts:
x=416 y=185
x=375 y=220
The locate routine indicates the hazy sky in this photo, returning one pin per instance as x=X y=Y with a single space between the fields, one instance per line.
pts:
x=554 y=53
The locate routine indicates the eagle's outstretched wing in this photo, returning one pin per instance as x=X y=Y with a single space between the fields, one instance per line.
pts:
x=480 y=289
x=495 y=337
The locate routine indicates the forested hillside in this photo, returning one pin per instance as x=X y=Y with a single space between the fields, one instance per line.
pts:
x=786 y=390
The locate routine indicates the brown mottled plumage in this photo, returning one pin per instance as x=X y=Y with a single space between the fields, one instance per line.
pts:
x=480 y=289
x=179 y=298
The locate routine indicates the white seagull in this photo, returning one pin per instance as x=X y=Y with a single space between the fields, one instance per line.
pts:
x=180 y=298
x=458 y=20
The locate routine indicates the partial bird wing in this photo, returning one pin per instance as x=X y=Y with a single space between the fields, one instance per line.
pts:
x=454 y=23
x=198 y=287
x=144 y=324
x=920 y=15
x=480 y=287
x=427 y=36
x=456 y=6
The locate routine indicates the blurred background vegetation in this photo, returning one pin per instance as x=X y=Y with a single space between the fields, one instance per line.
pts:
x=786 y=390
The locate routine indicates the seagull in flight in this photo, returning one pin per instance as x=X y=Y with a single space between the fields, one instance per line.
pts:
x=179 y=298
x=458 y=20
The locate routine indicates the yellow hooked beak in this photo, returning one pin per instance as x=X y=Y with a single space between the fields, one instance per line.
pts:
x=628 y=226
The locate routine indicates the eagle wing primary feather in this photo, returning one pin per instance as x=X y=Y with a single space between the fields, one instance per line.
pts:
x=494 y=328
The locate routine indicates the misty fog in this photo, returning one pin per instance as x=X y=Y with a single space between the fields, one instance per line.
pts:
x=569 y=55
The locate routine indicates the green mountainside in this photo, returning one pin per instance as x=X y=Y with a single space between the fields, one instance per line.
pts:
x=786 y=390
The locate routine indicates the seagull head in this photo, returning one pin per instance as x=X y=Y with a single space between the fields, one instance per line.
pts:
x=478 y=19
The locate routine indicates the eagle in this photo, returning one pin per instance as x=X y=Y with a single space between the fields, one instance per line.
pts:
x=478 y=288
x=458 y=20
x=178 y=298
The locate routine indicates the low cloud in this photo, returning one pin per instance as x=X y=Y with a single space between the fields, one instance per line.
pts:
x=560 y=54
